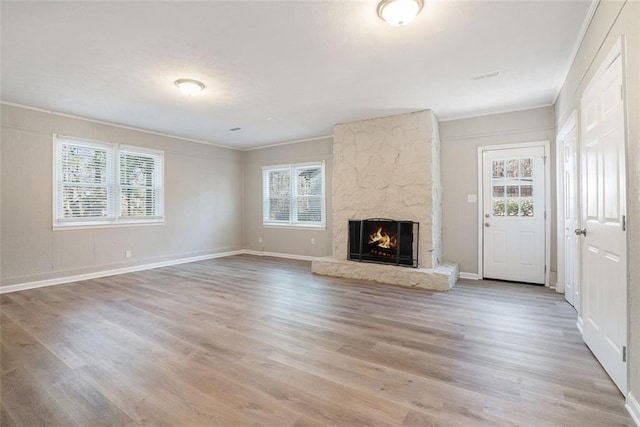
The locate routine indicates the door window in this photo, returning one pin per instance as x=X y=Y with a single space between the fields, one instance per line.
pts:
x=512 y=187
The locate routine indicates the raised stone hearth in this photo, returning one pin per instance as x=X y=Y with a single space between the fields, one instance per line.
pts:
x=441 y=278
x=389 y=168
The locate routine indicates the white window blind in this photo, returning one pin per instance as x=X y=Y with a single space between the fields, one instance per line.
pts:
x=294 y=195
x=84 y=179
x=99 y=183
x=140 y=184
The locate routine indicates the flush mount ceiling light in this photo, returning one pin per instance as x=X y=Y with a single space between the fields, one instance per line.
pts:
x=399 y=12
x=189 y=87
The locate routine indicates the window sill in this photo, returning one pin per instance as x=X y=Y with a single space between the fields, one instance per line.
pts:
x=295 y=226
x=91 y=225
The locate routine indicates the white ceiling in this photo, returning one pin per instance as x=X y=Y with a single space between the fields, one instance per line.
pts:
x=307 y=65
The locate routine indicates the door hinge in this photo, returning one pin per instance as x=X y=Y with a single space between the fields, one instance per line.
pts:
x=624 y=223
x=545 y=269
x=545 y=214
x=624 y=353
x=544 y=160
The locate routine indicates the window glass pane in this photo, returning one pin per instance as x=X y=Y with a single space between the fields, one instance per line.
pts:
x=309 y=181
x=279 y=183
x=526 y=208
x=138 y=191
x=279 y=209
x=85 y=165
x=526 y=190
x=309 y=209
x=137 y=202
x=498 y=190
x=513 y=206
x=498 y=207
x=83 y=202
x=83 y=174
x=526 y=167
x=498 y=168
x=513 y=190
x=512 y=168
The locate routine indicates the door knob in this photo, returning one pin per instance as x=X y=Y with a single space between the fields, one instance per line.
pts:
x=486 y=224
x=580 y=231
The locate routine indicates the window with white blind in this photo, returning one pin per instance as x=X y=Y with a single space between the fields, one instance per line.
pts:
x=294 y=195
x=99 y=183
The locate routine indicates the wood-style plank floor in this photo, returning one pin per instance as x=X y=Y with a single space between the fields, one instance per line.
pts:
x=260 y=341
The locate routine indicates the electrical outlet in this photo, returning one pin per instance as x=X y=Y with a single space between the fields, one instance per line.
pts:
x=127 y=253
x=259 y=239
x=472 y=198
x=313 y=241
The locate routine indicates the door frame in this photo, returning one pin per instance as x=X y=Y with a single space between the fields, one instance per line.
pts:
x=547 y=201
x=570 y=123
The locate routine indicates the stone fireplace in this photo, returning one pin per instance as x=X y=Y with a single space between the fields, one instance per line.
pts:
x=388 y=168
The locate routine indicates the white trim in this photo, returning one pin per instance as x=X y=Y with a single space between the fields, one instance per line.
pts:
x=113 y=272
x=279 y=144
x=111 y=224
x=102 y=122
x=513 y=110
x=547 y=223
x=290 y=165
x=633 y=407
x=576 y=47
x=279 y=255
x=469 y=276
x=286 y=225
x=579 y=325
x=569 y=125
x=141 y=267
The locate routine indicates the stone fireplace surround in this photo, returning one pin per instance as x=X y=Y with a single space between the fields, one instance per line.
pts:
x=389 y=168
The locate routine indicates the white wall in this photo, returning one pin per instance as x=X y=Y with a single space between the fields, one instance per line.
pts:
x=203 y=187
x=460 y=140
x=296 y=241
x=613 y=20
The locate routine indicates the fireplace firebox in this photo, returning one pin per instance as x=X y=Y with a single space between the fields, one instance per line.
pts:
x=384 y=241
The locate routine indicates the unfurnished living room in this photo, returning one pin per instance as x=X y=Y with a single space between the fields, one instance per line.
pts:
x=307 y=213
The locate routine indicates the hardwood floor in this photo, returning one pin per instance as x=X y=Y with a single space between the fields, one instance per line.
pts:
x=260 y=341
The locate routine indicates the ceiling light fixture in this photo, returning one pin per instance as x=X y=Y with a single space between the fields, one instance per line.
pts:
x=189 y=87
x=399 y=12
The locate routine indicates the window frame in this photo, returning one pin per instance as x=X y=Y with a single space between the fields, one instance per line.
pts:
x=114 y=191
x=293 y=197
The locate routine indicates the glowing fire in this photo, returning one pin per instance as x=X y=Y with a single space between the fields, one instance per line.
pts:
x=382 y=239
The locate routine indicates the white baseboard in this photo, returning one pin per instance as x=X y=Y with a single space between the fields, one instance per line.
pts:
x=112 y=272
x=469 y=276
x=279 y=255
x=579 y=325
x=633 y=407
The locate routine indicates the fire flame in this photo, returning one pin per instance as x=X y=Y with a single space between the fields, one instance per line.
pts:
x=382 y=239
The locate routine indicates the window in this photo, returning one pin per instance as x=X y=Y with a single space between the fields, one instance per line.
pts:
x=98 y=183
x=293 y=195
x=512 y=182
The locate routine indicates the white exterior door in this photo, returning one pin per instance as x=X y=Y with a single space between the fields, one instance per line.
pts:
x=604 y=251
x=513 y=219
x=570 y=221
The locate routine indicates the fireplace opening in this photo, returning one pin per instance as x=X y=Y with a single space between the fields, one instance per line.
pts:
x=384 y=241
